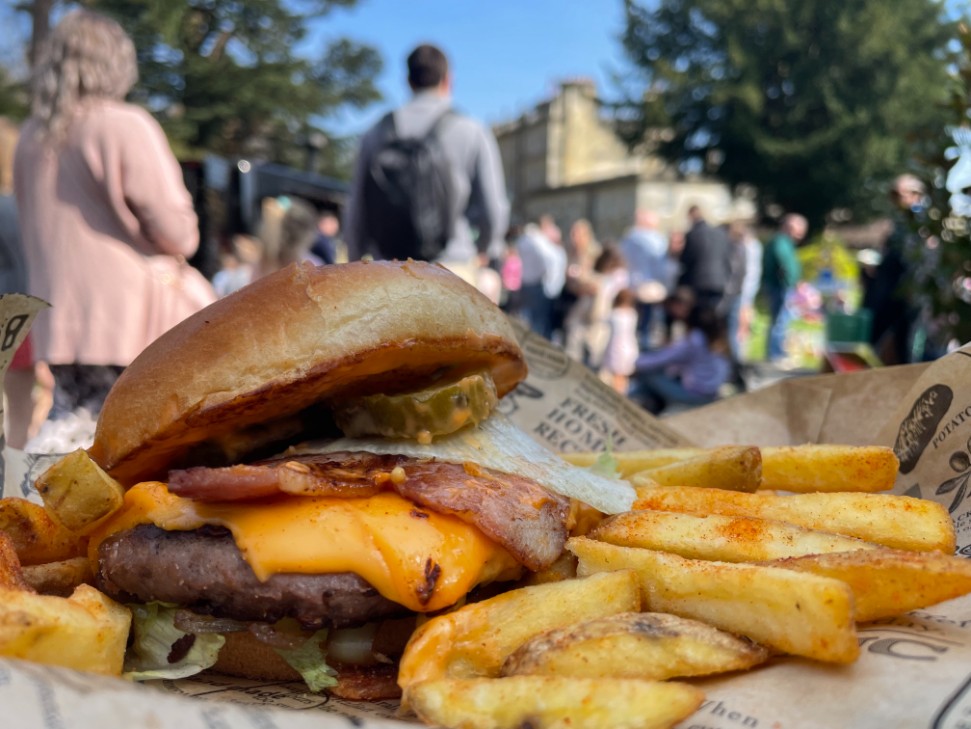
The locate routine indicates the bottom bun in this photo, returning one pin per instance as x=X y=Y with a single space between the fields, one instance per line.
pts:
x=246 y=657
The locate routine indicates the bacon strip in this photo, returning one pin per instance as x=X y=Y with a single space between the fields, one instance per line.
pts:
x=345 y=475
x=518 y=513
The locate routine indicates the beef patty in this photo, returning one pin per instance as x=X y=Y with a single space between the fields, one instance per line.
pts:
x=203 y=571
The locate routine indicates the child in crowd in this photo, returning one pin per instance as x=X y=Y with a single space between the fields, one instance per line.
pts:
x=511 y=273
x=621 y=352
x=240 y=266
x=610 y=276
x=691 y=370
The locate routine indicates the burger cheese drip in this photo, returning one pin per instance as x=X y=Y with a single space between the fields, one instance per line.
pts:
x=378 y=538
x=435 y=411
x=421 y=532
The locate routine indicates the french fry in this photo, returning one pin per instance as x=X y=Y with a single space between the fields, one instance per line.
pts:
x=11 y=573
x=733 y=468
x=564 y=568
x=583 y=518
x=36 y=536
x=654 y=646
x=803 y=468
x=900 y=522
x=809 y=468
x=78 y=492
x=59 y=578
x=804 y=617
x=548 y=702
x=631 y=462
x=720 y=538
x=475 y=639
x=87 y=631
x=890 y=582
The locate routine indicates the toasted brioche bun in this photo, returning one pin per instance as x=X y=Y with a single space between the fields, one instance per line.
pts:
x=299 y=336
x=244 y=656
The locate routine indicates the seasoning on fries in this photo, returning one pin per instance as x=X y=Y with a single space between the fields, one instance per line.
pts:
x=728 y=571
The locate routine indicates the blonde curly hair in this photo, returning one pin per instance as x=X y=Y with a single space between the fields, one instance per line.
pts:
x=8 y=143
x=88 y=55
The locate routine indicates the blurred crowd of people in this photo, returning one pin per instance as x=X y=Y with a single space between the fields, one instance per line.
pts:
x=663 y=318
x=95 y=219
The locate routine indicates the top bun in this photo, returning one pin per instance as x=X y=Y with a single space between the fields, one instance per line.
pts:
x=302 y=335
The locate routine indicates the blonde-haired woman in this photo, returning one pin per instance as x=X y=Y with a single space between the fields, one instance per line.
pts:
x=23 y=380
x=105 y=218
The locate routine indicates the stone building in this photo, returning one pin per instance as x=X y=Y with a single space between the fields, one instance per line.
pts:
x=564 y=159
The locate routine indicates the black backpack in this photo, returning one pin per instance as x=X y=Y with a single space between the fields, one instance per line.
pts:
x=408 y=195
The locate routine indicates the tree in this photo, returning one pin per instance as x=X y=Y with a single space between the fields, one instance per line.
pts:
x=939 y=273
x=809 y=102
x=223 y=75
x=13 y=97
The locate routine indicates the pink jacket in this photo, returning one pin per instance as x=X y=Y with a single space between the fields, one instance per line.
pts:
x=92 y=212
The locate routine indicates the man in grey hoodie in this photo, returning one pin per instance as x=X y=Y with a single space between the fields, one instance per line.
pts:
x=479 y=193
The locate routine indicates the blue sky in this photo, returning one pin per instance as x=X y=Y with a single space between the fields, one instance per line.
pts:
x=506 y=55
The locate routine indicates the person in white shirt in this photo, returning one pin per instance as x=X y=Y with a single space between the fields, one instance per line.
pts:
x=645 y=249
x=622 y=349
x=544 y=264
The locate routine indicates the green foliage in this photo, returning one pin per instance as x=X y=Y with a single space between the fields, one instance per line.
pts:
x=13 y=97
x=939 y=271
x=810 y=102
x=225 y=77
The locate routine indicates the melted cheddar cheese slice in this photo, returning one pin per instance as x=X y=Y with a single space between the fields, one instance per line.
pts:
x=420 y=559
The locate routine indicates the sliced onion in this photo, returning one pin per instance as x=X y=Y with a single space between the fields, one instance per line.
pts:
x=277 y=636
x=190 y=622
x=353 y=646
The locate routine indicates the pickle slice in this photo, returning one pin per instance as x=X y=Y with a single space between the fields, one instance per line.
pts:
x=435 y=411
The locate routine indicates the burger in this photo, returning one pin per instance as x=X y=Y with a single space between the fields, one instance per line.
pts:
x=315 y=461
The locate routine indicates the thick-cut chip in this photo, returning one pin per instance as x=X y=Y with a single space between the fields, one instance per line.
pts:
x=36 y=536
x=476 y=639
x=583 y=518
x=733 y=468
x=900 y=522
x=631 y=462
x=78 y=492
x=801 y=616
x=721 y=538
x=809 y=468
x=889 y=582
x=564 y=568
x=803 y=468
x=547 y=702
x=59 y=578
x=87 y=631
x=654 y=646
x=11 y=573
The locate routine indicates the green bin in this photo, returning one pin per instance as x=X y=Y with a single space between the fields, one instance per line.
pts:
x=849 y=327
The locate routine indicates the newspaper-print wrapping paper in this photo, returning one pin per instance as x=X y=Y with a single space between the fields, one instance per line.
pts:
x=914 y=671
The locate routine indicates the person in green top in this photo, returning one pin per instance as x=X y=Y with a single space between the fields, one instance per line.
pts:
x=780 y=274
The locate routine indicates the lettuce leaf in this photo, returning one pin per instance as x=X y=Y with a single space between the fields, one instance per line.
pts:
x=310 y=661
x=606 y=465
x=160 y=650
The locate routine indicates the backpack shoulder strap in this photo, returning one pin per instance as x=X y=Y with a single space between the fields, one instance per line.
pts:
x=433 y=131
x=387 y=129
